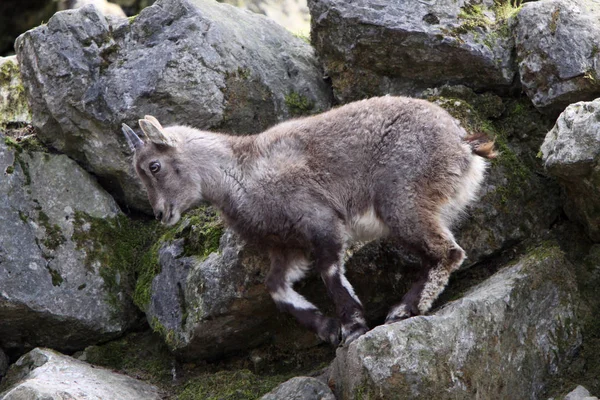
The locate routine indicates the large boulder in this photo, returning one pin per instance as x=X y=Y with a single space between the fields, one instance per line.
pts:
x=506 y=338
x=558 y=50
x=57 y=287
x=46 y=374
x=401 y=47
x=14 y=109
x=571 y=152
x=196 y=62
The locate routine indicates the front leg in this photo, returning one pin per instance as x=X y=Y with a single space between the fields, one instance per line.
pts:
x=329 y=256
x=288 y=267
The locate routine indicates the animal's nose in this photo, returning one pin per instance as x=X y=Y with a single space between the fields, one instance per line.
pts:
x=158 y=215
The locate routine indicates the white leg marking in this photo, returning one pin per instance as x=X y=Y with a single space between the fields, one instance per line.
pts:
x=290 y=296
x=400 y=311
x=349 y=288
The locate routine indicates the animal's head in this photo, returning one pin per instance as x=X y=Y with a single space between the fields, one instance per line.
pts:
x=160 y=163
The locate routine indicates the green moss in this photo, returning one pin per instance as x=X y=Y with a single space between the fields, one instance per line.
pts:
x=23 y=216
x=201 y=230
x=298 y=104
x=474 y=20
x=120 y=246
x=141 y=355
x=24 y=144
x=7 y=71
x=229 y=385
x=473 y=17
x=57 y=279
x=54 y=236
x=10 y=169
x=15 y=107
x=169 y=336
x=132 y=18
x=303 y=36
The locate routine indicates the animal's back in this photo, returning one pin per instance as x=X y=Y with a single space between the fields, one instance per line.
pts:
x=381 y=152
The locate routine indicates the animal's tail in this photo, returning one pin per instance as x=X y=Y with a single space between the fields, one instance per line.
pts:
x=481 y=145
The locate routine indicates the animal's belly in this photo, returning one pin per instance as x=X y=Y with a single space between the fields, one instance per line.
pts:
x=367 y=227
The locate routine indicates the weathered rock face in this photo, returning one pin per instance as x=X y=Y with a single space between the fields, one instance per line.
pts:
x=571 y=152
x=14 y=109
x=558 y=46
x=398 y=47
x=54 y=287
x=207 y=305
x=300 y=388
x=196 y=62
x=504 y=339
x=46 y=374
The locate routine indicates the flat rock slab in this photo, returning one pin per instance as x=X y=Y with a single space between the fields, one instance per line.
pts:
x=374 y=47
x=192 y=62
x=506 y=338
x=571 y=152
x=46 y=374
x=558 y=44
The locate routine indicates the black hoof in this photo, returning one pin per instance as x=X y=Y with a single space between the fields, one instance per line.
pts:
x=331 y=332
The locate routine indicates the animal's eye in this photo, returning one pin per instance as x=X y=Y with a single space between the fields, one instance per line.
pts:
x=154 y=167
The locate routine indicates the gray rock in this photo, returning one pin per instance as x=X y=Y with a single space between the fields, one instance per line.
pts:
x=208 y=306
x=580 y=393
x=558 y=44
x=372 y=47
x=571 y=152
x=3 y=364
x=300 y=388
x=53 y=288
x=13 y=103
x=195 y=62
x=506 y=338
x=46 y=374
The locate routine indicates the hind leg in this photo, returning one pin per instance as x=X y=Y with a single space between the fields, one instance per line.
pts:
x=440 y=255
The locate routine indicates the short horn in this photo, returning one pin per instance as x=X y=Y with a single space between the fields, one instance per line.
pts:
x=133 y=140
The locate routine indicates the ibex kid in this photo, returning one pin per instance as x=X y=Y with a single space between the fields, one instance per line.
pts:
x=389 y=167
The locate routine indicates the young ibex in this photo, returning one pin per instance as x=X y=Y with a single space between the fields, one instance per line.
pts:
x=386 y=167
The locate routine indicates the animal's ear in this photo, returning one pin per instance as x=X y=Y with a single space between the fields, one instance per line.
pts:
x=133 y=140
x=153 y=120
x=151 y=127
